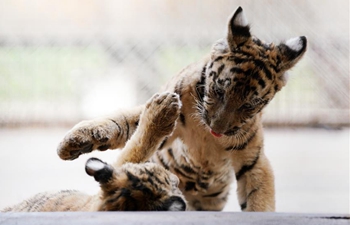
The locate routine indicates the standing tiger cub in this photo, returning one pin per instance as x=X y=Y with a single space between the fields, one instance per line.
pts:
x=219 y=135
x=129 y=186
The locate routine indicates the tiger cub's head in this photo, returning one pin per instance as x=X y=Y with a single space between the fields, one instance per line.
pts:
x=136 y=187
x=243 y=75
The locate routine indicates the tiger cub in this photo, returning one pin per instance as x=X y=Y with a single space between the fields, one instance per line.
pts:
x=132 y=185
x=219 y=136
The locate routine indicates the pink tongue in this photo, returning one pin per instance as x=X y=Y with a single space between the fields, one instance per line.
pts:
x=215 y=134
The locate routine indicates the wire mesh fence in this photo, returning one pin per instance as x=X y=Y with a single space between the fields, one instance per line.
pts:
x=63 y=61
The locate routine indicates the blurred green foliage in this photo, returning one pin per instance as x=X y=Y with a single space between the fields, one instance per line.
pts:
x=33 y=73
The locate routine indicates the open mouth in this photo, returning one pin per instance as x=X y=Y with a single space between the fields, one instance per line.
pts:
x=215 y=134
x=227 y=133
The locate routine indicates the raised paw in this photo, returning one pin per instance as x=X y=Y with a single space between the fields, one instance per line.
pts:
x=161 y=112
x=87 y=136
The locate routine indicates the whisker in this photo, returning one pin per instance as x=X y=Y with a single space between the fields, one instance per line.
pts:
x=198 y=115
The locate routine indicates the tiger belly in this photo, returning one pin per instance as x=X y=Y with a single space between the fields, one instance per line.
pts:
x=204 y=187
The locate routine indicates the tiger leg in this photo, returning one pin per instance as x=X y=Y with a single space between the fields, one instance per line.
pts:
x=255 y=184
x=157 y=121
x=103 y=133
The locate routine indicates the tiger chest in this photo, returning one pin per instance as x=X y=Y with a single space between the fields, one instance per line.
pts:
x=201 y=164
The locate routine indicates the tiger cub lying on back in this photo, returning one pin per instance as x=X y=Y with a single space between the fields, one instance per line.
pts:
x=130 y=186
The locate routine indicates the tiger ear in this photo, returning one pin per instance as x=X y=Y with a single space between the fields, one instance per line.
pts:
x=101 y=171
x=238 y=31
x=291 y=51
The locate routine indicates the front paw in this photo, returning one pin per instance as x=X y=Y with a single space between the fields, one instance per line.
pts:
x=161 y=111
x=85 y=137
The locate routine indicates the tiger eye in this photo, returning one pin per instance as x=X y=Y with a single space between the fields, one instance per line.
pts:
x=247 y=106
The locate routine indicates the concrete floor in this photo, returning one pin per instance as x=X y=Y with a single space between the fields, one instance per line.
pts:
x=311 y=168
x=170 y=218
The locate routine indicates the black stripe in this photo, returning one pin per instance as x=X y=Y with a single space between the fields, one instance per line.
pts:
x=204 y=69
x=213 y=195
x=267 y=93
x=35 y=202
x=236 y=70
x=182 y=119
x=113 y=191
x=163 y=143
x=161 y=160
x=60 y=198
x=190 y=186
x=244 y=145
x=246 y=91
x=218 y=58
x=278 y=64
x=204 y=177
x=255 y=75
x=129 y=203
x=254 y=190
x=208 y=173
x=240 y=60
x=166 y=181
x=132 y=178
x=171 y=153
x=120 y=129
x=212 y=74
x=253 y=89
x=239 y=84
x=203 y=74
x=116 y=198
x=220 y=69
x=243 y=206
x=200 y=85
x=188 y=169
x=260 y=109
x=151 y=175
x=182 y=174
x=260 y=64
x=246 y=168
x=262 y=83
x=203 y=185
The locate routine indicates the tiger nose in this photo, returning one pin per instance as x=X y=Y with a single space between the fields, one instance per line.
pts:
x=218 y=127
